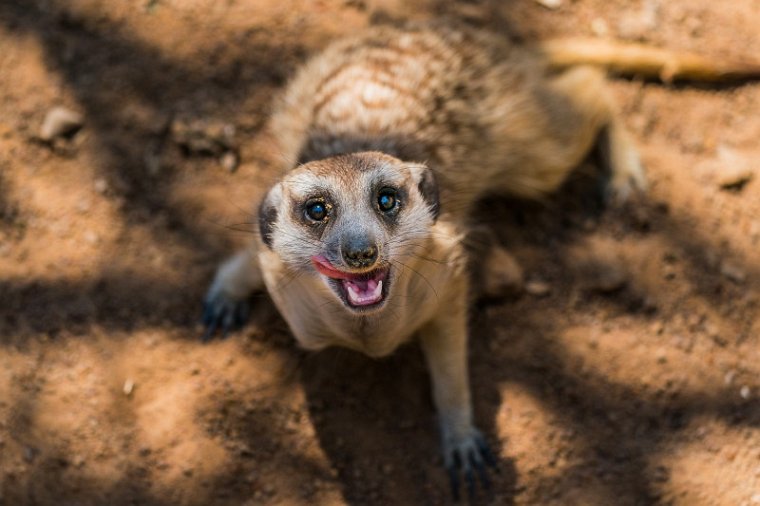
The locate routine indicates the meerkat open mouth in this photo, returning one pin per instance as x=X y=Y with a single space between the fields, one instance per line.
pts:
x=357 y=290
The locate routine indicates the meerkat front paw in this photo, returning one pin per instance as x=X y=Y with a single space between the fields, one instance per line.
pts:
x=465 y=455
x=226 y=305
x=223 y=312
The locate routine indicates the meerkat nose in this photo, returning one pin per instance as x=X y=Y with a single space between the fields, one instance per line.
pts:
x=359 y=252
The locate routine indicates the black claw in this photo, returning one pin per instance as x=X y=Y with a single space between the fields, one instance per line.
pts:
x=473 y=466
x=241 y=314
x=469 y=478
x=485 y=452
x=454 y=480
x=207 y=314
x=227 y=323
x=210 y=330
x=482 y=473
x=224 y=316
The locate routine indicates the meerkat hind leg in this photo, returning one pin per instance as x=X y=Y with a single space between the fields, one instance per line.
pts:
x=586 y=87
x=226 y=306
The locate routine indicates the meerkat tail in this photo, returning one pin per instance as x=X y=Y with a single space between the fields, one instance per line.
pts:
x=631 y=59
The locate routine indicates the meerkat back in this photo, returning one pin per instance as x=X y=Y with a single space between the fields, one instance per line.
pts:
x=485 y=114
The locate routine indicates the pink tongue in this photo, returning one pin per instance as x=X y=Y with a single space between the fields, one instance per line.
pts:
x=361 y=286
x=363 y=292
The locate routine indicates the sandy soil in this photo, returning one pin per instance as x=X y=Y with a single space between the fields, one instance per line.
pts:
x=634 y=380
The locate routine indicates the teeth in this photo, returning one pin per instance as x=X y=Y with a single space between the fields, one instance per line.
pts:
x=358 y=298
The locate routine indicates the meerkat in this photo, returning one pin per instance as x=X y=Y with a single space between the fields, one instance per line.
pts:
x=388 y=140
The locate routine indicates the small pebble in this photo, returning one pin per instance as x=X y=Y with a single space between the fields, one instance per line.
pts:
x=729 y=378
x=129 y=386
x=550 y=4
x=607 y=279
x=636 y=25
x=745 y=392
x=229 y=161
x=60 y=122
x=101 y=185
x=733 y=272
x=30 y=453
x=538 y=288
x=730 y=169
x=734 y=177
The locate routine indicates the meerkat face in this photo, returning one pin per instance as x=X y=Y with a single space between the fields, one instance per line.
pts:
x=353 y=221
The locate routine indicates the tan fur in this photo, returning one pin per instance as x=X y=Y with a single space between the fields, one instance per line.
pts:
x=485 y=116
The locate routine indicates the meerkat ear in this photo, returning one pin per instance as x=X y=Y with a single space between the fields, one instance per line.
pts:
x=427 y=186
x=268 y=214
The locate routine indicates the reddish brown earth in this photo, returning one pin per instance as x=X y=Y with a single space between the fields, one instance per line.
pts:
x=635 y=380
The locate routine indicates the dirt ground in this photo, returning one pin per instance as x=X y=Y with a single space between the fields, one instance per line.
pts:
x=625 y=370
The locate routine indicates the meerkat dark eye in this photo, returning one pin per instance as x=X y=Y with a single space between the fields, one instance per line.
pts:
x=386 y=199
x=316 y=210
